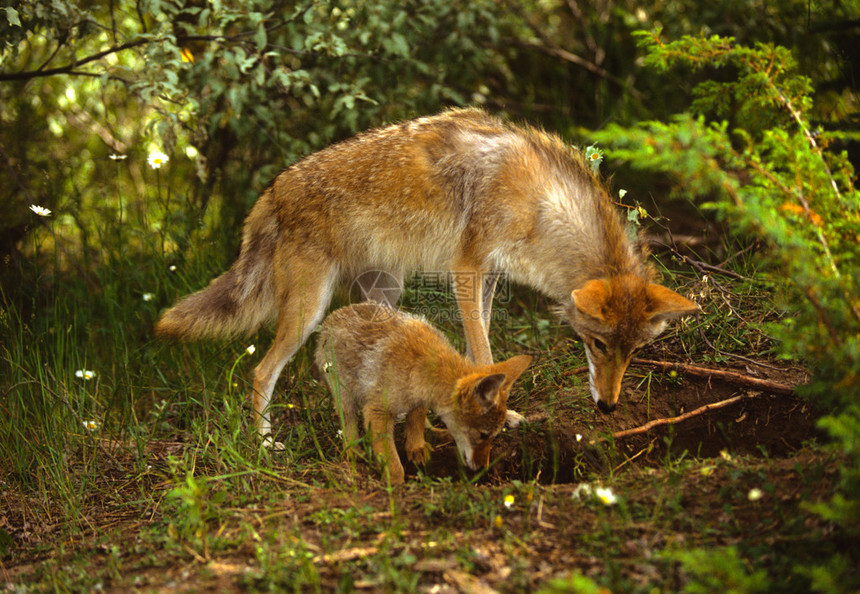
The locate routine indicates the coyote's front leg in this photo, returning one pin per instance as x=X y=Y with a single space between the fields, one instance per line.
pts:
x=470 y=285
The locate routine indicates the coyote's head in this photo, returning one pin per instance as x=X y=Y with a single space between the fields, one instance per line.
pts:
x=480 y=408
x=614 y=317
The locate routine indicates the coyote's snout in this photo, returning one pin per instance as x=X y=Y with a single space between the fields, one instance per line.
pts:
x=461 y=192
x=614 y=317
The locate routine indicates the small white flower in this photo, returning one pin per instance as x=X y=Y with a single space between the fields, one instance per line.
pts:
x=147 y=296
x=172 y=268
x=91 y=425
x=326 y=366
x=157 y=159
x=40 y=210
x=579 y=437
x=755 y=494
x=582 y=491
x=606 y=496
x=340 y=433
x=116 y=157
x=85 y=374
x=250 y=350
x=509 y=501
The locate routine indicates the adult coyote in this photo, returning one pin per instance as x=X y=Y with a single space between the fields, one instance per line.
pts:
x=460 y=192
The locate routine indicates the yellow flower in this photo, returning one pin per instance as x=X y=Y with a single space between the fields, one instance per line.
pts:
x=509 y=501
x=606 y=496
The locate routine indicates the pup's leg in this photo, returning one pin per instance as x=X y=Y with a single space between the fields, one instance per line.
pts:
x=417 y=450
x=350 y=425
x=380 y=427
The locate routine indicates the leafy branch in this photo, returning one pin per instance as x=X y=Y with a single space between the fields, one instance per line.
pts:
x=70 y=68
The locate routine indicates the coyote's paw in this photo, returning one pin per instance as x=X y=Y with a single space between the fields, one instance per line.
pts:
x=513 y=418
x=271 y=444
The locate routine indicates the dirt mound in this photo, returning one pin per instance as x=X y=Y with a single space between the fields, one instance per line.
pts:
x=673 y=414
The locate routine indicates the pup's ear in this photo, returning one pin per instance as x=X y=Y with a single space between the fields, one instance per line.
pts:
x=591 y=298
x=487 y=390
x=666 y=304
x=513 y=367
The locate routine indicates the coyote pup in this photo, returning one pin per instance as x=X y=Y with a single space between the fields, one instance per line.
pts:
x=460 y=192
x=390 y=365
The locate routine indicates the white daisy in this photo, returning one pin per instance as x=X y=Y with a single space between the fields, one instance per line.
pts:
x=157 y=159
x=85 y=374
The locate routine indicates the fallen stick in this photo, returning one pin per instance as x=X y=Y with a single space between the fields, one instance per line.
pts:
x=679 y=418
x=729 y=376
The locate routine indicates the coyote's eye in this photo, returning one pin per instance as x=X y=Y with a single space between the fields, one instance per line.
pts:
x=484 y=435
x=600 y=345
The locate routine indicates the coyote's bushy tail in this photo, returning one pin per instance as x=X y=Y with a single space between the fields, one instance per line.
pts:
x=237 y=302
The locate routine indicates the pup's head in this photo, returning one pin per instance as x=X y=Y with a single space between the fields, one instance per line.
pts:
x=614 y=317
x=480 y=408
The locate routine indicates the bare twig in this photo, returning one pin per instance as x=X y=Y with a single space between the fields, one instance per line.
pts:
x=575 y=371
x=729 y=376
x=672 y=420
x=704 y=267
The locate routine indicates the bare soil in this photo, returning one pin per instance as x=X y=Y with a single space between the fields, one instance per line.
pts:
x=559 y=448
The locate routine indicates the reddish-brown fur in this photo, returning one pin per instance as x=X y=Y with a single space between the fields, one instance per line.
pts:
x=386 y=364
x=460 y=192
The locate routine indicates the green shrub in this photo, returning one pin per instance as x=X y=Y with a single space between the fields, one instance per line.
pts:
x=747 y=148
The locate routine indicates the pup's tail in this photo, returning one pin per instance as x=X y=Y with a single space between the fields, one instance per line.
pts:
x=237 y=302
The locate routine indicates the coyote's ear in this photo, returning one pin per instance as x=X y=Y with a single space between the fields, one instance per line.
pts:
x=487 y=390
x=591 y=298
x=665 y=304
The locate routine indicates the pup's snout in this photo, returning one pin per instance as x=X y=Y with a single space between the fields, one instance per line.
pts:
x=605 y=408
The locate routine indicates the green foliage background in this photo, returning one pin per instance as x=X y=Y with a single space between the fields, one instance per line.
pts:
x=748 y=109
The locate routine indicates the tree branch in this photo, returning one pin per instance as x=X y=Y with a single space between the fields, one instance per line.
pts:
x=70 y=68
x=672 y=420
x=729 y=376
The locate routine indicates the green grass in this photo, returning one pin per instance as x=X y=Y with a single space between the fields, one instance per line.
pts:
x=149 y=474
